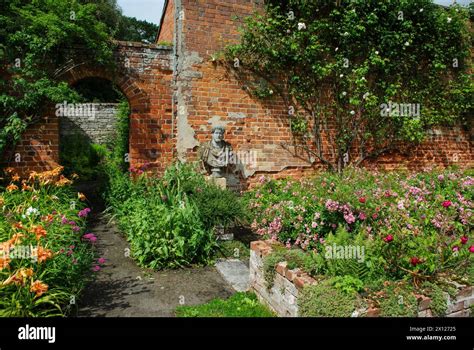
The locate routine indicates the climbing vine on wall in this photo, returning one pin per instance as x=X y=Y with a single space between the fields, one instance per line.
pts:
x=369 y=76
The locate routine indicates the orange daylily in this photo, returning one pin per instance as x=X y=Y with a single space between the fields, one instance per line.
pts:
x=39 y=232
x=25 y=187
x=18 y=225
x=15 y=239
x=47 y=218
x=16 y=177
x=9 y=170
x=39 y=288
x=19 y=278
x=11 y=188
x=43 y=254
x=81 y=196
x=4 y=255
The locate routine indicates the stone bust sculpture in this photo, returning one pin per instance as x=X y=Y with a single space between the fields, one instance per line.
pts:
x=216 y=153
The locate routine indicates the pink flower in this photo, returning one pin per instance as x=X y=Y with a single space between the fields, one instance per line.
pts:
x=72 y=246
x=362 y=216
x=314 y=224
x=83 y=213
x=261 y=179
x=374 y=216
x=96 y=268
x=362 y=200
x=471 y=249
x=447 y=204
x=464 y=239
x=350 y=218
x=64 y=220
x=388 y=239
x=76 y=228
x=455 y=248
x=440 y=177
x=101 y=261
x=93 y=239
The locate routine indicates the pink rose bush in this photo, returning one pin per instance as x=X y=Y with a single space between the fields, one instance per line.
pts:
x=417 y=223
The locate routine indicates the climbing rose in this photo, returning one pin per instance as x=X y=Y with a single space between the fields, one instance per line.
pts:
x=362 y=199
x=388 y=239
x=464 y=240
x=471 y=248
x=96 y=268
x=447 y=204
x=415 y=261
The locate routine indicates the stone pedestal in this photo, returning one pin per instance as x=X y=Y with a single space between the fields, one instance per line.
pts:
x=218 y=181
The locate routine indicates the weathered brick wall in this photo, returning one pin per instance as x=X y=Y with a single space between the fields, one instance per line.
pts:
x=144 y=75
x=98 y=127
x=282 y=297
x=208 y=94
x=167 y=24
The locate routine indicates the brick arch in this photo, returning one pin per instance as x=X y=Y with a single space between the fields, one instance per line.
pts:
x=137 y=97
x=143 y=73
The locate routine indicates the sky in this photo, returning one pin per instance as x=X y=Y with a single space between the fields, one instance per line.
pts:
x=150 y=10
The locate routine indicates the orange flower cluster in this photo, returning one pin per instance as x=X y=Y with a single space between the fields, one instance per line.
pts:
x=53 y=177
x=39 y=231
x=43 y=254
x=19 y=278
x=5 y=260
x=39 y=288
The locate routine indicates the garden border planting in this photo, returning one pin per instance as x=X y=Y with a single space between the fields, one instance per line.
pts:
x=282 y=297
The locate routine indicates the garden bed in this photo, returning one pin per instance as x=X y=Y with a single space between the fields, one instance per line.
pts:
x=283 y=295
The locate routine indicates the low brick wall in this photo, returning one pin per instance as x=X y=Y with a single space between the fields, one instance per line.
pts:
x=282 y=297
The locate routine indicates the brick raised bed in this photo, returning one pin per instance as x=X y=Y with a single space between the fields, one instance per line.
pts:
x=282 y=297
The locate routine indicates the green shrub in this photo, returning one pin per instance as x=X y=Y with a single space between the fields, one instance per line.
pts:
x=238 y=305
x=166 y=236
x=325 y=300
x=348 y=284
x=170 y=221
x=398 y=300
x=79 y=156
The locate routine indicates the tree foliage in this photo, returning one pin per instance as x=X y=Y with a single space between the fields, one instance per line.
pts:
x=336 y=63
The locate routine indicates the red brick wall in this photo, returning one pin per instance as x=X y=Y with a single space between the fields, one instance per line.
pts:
x=212 y=96
x=145 y=77
x=167 y=25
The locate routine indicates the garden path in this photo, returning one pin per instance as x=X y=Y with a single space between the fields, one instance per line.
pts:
x=121 y=288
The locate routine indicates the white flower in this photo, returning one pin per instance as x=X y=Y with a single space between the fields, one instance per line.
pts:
x=336 y=49
x=341 y=75
x=344 y=93
x=271 y=92
x=346 y=34
x=449 y=19
x=376 y=52
x=407 y=44
x=421 y=10
x=31 y=210
x=366 y=95
x=301 y=26
x=363 y=78
x=353 y=112
x=288 y=31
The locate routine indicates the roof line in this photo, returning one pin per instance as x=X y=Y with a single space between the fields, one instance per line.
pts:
x=165 y=5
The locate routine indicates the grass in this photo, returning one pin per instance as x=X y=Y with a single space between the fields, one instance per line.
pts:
x=238 y=305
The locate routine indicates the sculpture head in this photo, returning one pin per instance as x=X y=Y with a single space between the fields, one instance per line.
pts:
x=218 y=133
